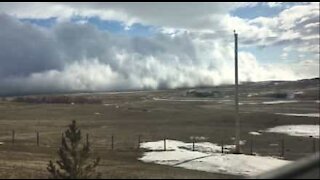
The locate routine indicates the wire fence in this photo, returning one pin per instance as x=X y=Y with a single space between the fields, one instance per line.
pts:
x=282 y=147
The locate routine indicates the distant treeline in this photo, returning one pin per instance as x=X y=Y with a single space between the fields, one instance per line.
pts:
x=59 y=100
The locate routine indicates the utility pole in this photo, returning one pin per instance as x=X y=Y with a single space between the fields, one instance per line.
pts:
x=237 y=139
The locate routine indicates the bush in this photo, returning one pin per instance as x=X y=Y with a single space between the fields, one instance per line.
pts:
x=74 y=157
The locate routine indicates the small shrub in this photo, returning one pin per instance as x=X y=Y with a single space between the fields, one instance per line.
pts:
x=74 y=158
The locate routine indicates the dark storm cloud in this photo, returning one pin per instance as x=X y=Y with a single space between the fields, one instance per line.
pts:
x=71 y=57
x=40 y=60
x=25 y=49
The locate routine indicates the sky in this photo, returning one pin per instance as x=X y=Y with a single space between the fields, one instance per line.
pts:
x=73 y=47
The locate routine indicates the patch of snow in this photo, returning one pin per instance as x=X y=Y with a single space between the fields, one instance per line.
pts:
x=297 y=130
x=303 y=115
x=274 y=102
x=183 y=100
x=207 y=157
x=255 y=133
x=235 y=164
x=159 y=145
x=242 y=142
x=1 y=143
x=206 y=147
x=172 y=145
x=299 y=92
x=97 y=113
x=198 y=138
x=248 y=102
x=274 y=144
x=252 y=94
x=280 y=102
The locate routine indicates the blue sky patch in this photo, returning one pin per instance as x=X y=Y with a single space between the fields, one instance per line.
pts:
x=117 y=27
x=112 y=26
x=256 y=11
x=262 y=10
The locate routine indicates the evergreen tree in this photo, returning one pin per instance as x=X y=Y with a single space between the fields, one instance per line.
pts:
x=74 y=157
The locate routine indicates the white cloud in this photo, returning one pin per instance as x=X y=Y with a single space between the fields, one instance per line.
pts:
x=274 y=4
x=290 y=17
x=178 y=15
x=284 y=55
x=195 y=17
x=192 y=48
x=313 y=25
x=296 y=27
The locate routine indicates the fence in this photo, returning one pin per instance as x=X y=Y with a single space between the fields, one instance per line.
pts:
x=283 y=147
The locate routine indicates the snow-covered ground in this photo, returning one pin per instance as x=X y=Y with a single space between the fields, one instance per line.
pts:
x=275 y=102
x=255 y=133
x=297 y=130
x=248 y=103
x=227 y=101
x=280 y=102
x=207 y=157
x=304 y=115
x=183 y=100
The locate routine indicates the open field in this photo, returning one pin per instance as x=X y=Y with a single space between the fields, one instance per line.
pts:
x=154 y=115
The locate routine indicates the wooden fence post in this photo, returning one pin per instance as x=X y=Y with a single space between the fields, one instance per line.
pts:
x=193 y=144
x=222 y=147
x=37 y=138
x=112 y=139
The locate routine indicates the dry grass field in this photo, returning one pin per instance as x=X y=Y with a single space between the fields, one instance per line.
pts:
x=153 y=115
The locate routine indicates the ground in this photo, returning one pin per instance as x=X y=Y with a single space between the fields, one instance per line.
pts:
x=153 y=115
